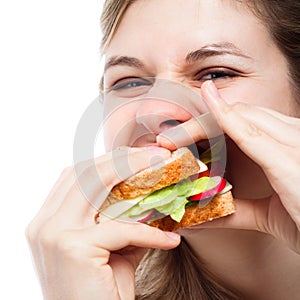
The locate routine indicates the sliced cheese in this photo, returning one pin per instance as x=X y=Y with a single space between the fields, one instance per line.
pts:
x=118 y=208
x=226 y=189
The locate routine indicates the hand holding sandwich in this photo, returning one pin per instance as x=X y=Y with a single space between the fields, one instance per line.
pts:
x=75 y=258
x=271 y=140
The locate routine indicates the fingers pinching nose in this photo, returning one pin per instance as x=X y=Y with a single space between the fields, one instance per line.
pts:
x=200 y=127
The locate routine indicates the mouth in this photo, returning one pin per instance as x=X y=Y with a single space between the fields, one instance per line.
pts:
x=202 y=146
x=213 y=153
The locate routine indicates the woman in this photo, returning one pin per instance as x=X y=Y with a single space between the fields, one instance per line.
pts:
x=243 y=57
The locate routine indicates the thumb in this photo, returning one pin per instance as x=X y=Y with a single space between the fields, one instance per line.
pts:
x=265 y=215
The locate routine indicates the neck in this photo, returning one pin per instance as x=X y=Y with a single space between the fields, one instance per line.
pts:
x=250 y=262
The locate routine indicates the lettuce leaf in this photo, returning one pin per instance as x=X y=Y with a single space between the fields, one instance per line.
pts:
x=172 y=199
x=213 y=153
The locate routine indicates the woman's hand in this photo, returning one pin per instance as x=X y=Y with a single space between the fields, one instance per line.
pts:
x=74 y=257
x=272 y=140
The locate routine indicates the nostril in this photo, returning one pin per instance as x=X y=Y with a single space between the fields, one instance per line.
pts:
x=168 y=123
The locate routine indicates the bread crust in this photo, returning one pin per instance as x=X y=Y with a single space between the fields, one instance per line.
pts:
x=220 y=206
x=152 y=179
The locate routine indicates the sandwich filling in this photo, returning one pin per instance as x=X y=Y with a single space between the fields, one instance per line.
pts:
x=174 y=199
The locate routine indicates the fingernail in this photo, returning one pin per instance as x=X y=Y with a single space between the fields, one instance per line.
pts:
x=172 y=235
x=173 y=137
x=165 y=141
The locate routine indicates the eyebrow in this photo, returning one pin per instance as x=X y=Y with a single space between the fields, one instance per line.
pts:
x=123 y=61
x=214 y=50
x=200 y=54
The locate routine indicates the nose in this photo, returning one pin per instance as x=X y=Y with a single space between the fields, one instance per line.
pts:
x=158 y=115
x=166 y=105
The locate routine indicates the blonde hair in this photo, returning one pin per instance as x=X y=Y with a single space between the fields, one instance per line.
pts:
x=112 y=13
x=179 y=274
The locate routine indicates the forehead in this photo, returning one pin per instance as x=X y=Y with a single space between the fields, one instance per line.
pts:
x=163 y=23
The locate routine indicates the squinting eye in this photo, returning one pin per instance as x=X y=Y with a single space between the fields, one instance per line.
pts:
x=130 y=83
x=130 y=87
x=215 y=74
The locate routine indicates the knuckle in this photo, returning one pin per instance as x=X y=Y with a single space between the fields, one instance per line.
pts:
x=31 y=233
x=34 y=231
x=46 y=236
x=67 y=171
x=63 y=242
x=234 y=109
x=86 y=171
x=253 y=130
x=239 y=106
x=107 y=174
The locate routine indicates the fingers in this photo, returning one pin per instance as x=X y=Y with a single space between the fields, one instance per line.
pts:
x=95 y=180
x=181 y=135
x=270 y=139
x=259 y=121
x=259 y=134
x=116 y=235
x=287 y=119
x=265 y=215
x=53 y=202
x=281 y=128
x=196 y=129
x=249 y=215
x=81 y=190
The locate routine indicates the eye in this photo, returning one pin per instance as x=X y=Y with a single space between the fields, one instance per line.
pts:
x=131 y=83
x=215 y=74
x=130 y=87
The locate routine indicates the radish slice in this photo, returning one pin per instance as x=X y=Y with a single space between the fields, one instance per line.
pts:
x=218 y=187
x=146 y=216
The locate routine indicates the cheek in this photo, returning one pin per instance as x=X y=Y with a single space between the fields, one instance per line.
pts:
x=276 y=96
x=118 y=128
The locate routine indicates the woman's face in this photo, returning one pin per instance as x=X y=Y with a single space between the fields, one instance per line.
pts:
x=173 y=47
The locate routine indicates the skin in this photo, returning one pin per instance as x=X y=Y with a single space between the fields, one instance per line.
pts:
x=257 y=82
x=260 y=243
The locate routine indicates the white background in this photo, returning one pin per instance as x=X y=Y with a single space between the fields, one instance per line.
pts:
x=49 y=74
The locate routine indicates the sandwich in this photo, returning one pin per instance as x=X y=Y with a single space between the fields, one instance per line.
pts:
x=171 y=195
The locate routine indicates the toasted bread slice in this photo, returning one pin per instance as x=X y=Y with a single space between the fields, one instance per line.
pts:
x=220 y=206
x=180 y=165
